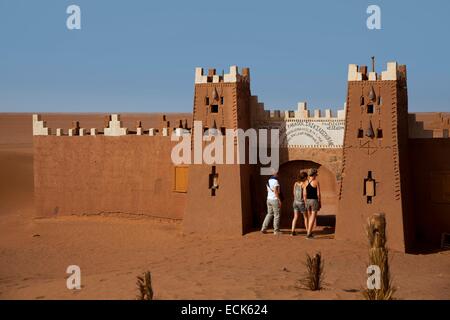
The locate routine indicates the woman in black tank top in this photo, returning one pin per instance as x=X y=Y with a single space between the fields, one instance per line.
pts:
x=311 y=192
x=313 y=201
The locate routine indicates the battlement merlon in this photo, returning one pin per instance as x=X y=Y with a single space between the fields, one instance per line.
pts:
x=393 y=72
x=231 y=77
x=40 y=127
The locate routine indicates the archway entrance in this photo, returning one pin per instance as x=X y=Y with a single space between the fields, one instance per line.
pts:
x=288 y=173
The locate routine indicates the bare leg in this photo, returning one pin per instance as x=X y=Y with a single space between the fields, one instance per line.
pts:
x=308 y=220
x=312 y=221
x=294 y=221
x=305 y=220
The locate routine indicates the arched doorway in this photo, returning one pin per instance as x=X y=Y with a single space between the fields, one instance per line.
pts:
x=289 y=172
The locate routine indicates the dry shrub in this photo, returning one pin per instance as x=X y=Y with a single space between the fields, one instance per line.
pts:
x=313 y=279
x=379 y=256
x=144 y=284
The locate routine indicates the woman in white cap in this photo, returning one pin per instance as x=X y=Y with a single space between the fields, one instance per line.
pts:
x=312 y=200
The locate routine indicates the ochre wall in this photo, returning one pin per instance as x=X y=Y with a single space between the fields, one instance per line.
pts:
x=97 y=174
x=429 y=125
x=222 y=214
x=430 y=181
x=385 y=159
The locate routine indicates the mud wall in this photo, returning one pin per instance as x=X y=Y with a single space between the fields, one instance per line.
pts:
x=99 y=174
x=430 y=181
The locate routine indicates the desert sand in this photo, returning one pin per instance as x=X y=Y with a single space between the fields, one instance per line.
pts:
x=112 y=250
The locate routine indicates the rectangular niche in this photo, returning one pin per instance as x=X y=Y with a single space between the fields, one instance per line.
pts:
x=360 y=133
x=379 y=133
x=214 y=108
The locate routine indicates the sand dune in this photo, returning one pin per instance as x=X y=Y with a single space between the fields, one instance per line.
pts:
x=112 y=251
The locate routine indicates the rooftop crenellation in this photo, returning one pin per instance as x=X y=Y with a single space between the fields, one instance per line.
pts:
x=302 y=113
x=393 y=71
x=213 y=77
x=113 y=128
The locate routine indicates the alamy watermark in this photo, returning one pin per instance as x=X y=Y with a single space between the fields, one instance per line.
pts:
x=374 y=20
x=73 y=282
x=220 y=148
x=73 y=21
x=374 y=279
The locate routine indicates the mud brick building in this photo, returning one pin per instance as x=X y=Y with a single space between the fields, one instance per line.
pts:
x=372 y=156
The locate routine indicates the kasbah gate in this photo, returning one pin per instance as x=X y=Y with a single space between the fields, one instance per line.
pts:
x=372 y=157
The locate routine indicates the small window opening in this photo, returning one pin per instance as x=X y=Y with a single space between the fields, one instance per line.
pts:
x=369 y=187
x=379 y=133
x=360 y=133
x=214 y=108
x=213 y=181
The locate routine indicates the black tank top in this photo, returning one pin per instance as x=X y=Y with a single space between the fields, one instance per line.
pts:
x=311 y=192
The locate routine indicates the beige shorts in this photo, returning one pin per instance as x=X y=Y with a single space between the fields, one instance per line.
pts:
x=312 y=204
x=299 y=206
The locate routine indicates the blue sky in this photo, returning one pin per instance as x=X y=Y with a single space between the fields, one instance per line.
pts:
x=139 y=56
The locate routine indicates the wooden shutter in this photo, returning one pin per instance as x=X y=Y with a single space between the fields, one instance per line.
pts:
x=181 y=179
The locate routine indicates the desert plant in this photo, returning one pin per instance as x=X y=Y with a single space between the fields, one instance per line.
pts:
x=314 y=276
x=379 y=256
x=144 y=284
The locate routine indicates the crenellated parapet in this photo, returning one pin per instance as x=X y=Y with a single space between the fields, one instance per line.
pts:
x=302 y=128
x=302 y=112
x=393 y=72
x=213 y=77
x=429 y=125
x=113 y=128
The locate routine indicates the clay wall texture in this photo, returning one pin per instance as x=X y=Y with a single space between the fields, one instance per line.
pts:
x=98 y=174
x=430 y=184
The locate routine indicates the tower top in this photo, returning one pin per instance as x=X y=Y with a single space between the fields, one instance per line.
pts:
x=394 y=71
x=232 y=76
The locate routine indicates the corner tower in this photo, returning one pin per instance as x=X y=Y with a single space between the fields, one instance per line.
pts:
x=219 y=194
x=375 y=169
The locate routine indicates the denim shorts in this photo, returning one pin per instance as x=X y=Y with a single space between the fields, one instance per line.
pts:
x=312 y=204
x=299 y=206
